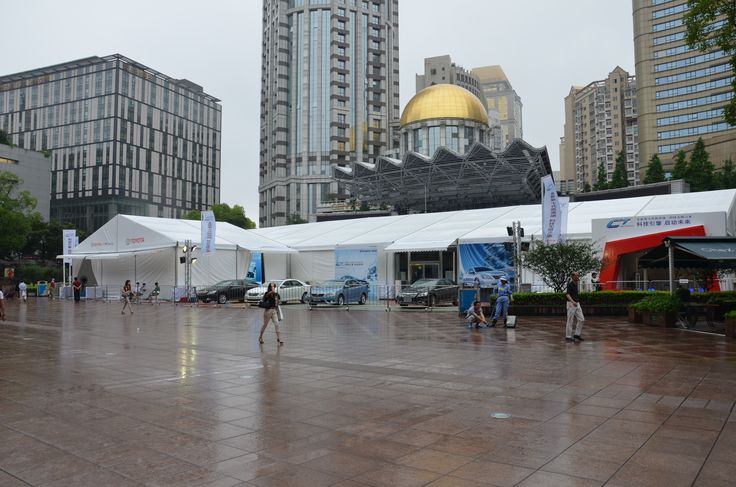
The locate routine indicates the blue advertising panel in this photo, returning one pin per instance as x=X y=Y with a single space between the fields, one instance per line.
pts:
x=484 y=264
x=358 y=263
x=255 y=270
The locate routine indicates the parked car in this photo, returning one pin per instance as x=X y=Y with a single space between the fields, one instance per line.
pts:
x=428 y=292
x=224 y=291
x=484 y=277
x=339 y=291
x=288 y=289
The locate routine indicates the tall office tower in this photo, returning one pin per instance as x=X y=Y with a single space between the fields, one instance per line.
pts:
x=681 y=92
x=600 y=122
x=441 y=70
x=500 y=96
x=329 y=95
x=122 y=138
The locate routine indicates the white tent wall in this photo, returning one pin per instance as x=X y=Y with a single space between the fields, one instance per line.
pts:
x=148 y=267
x=313 y=266
x=275 y=266
x=210 y=269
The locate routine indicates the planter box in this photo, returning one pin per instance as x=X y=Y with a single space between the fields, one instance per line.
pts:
x=635 y=316
x=664 y=320
x=731 y=327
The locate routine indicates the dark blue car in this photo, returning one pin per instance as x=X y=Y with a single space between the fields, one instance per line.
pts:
x=339 y=292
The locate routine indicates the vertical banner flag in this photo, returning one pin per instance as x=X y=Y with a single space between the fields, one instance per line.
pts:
x=70 y=240
x=208 y=233
x=550 y=211
x=564 y=206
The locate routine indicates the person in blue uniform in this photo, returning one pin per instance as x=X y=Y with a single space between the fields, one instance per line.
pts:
x=505 y=296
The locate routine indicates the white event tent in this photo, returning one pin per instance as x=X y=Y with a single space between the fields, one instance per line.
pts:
x=316 y=242
x=147 y=249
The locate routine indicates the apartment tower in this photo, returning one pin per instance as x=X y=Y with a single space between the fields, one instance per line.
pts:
x=329 y=96
x=121 y=138
x=501 y=97
x=600 y=122
x=680 y=91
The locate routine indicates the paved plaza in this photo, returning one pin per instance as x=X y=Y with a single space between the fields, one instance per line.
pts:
x=185 y=396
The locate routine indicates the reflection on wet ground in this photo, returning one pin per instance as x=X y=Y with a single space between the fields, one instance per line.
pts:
x=176 y=395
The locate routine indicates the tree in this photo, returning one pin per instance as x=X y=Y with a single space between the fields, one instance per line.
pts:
x=295 y=219
x=17 y=214
x=620 y=177
x=555 y=263
x=701 y=34
x=224 y=213
x=601 y=181
x=700 y=169
x=679 y=171
x=5 y=139
x=45 y=239
x=586 y=188
x=655 y=171
x=727 y=175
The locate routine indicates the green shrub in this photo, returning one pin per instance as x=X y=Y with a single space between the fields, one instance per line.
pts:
x=730 y=315
x=30 y=273
x=589 y=298
x=659 y=303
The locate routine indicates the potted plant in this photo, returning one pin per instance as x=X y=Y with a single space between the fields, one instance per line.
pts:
x=635 y=315
x=730 y=319
x=659 y=309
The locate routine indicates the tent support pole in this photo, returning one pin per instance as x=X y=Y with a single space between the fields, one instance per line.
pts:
x=236 y=260
x=176 y=266
x=671 y=259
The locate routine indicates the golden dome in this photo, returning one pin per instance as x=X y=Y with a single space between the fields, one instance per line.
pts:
x=444 y=101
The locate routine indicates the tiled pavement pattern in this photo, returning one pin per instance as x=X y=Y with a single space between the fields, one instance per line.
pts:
x=181 y=396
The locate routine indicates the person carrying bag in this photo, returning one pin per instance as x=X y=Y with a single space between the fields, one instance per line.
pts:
x=270 y=303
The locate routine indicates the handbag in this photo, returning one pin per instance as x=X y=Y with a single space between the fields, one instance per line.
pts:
x=262 y=304
x=279 y=313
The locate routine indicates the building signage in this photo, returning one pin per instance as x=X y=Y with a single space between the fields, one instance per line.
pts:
x=208 y=233
x=135 y=240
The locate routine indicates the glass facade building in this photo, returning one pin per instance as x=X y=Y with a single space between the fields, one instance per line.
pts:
x=122 y=138
x=329 y=96
x=681 y=91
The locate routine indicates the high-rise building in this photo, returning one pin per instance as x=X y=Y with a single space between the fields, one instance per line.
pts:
x=501 y=97
x=123 y=138
x=680 y=91
x=441 y=70
x=600 y=122
x=329 y=96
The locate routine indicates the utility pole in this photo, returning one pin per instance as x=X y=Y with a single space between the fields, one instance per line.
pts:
x=516 y=232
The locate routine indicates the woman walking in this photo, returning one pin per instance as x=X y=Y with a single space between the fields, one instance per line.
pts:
x=270 y=303
x=125 y=294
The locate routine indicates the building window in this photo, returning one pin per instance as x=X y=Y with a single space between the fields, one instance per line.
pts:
x=418 y=140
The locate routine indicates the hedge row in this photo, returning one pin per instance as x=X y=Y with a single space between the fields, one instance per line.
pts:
x=589 y=298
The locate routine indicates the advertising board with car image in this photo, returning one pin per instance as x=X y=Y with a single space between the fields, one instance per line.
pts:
x=483 y=264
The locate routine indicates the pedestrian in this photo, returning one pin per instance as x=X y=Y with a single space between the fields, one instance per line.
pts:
x=270 y=303
x=136 y=292
x=52 y=288
x=2 y=305
x=474 y=316
x=23 y=290
x=504 y=297
x=574 y=310
x=154 y=294
x=595 y=282
x=125 y=294
x=77 y=288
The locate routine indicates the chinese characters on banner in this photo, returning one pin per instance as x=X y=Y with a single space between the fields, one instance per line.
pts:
x=208 y=233
x=70 y=241
x=554 y=212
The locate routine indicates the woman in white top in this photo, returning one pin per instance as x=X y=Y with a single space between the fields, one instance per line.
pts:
x=125 y=294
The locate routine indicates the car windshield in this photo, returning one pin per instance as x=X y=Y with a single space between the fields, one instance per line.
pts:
x=425 y=283
x=332 y=283
x=223 y=283
x=278 y=282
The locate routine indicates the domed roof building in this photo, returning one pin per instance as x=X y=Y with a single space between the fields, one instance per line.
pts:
x=447 y=164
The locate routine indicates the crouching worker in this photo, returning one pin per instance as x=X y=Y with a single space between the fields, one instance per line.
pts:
x=474 y=316
x=505 y=296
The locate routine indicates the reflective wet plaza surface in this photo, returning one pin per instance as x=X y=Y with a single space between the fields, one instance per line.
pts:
x=175 y=395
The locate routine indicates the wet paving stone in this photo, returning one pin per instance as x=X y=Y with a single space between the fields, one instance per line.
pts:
x=183 y=395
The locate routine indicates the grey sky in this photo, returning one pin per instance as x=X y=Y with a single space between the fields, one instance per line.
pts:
x=544 y=46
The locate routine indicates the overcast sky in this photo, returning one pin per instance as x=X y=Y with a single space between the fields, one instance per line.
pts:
x=544 y=46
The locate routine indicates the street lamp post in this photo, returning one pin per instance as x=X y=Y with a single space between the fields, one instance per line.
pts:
x=516 y=231
x=188 y=260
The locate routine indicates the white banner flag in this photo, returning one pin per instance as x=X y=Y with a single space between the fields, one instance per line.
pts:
x=208 y=233
x=564 y=205
x=550 y=211
x=70 y=241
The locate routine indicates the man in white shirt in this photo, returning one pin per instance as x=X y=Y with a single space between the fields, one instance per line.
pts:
x=23 y=291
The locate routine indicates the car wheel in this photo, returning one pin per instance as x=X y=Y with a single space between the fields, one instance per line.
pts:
x=340 y=300
x=222 y=299
x=363 y=299
x=304 y=298
x=432 y=301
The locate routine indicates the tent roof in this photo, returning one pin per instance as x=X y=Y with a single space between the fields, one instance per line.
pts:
x=132 y=234
x=436 y=231
x=694 y=252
